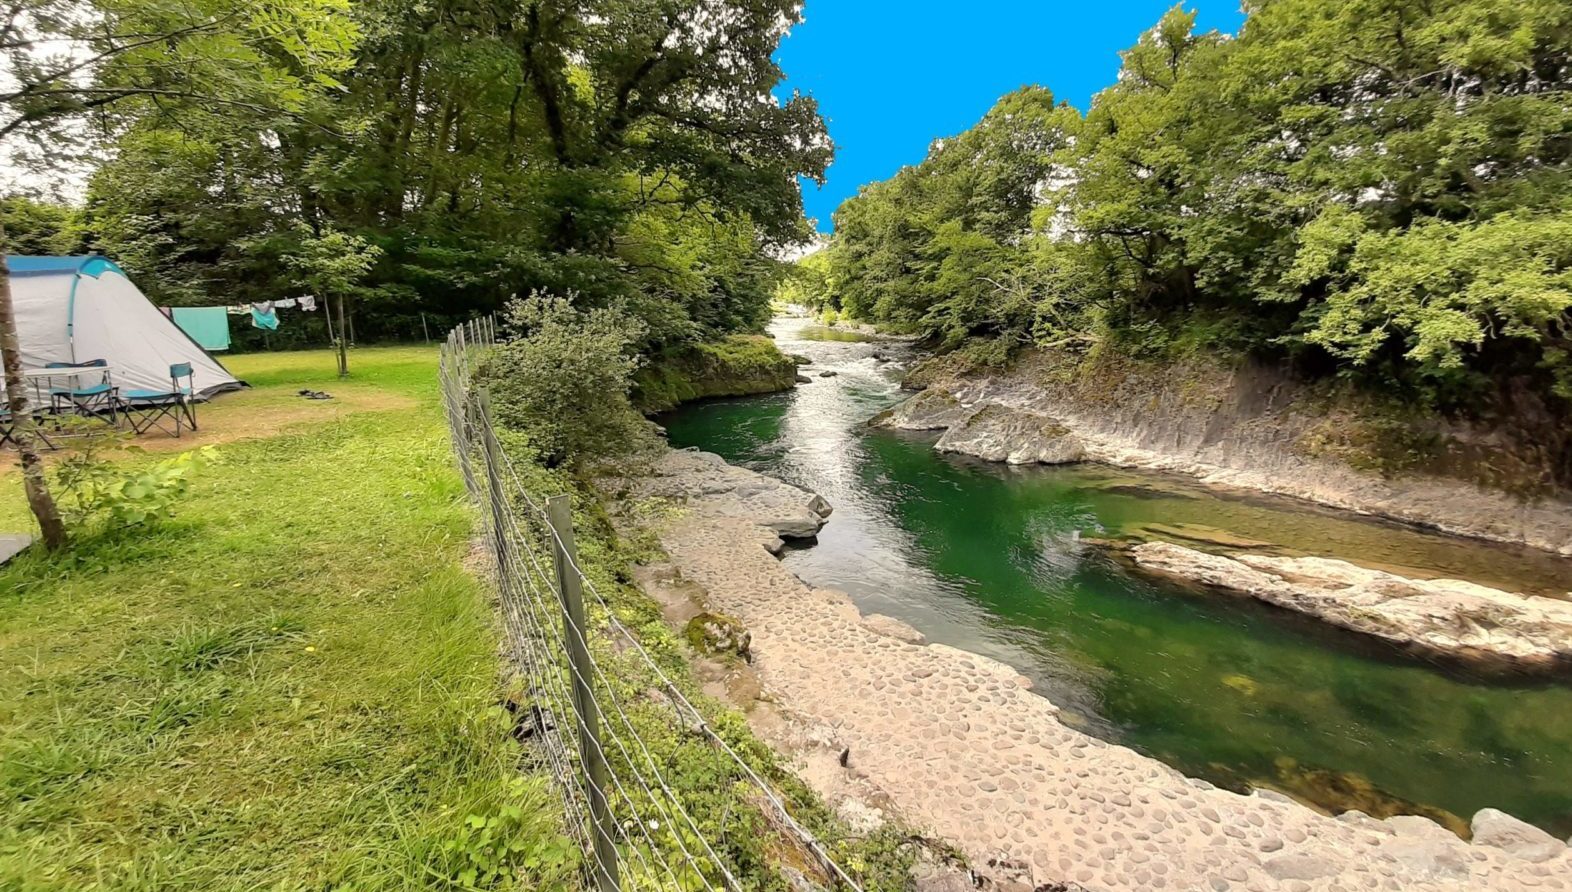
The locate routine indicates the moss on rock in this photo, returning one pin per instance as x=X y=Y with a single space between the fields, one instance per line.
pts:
x=739 y=365
x=717 y=634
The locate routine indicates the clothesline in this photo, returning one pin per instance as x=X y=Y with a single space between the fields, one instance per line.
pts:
x=307 y=303
x=209 y=326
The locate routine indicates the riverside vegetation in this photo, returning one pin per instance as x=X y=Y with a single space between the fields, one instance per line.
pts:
x=1374 y=197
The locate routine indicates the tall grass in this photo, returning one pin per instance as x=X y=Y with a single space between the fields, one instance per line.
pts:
x=292 y=685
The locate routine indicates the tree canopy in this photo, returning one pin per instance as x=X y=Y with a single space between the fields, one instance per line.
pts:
x=626 y=151
x=1377 y=188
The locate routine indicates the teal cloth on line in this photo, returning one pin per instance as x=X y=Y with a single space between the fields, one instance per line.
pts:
x=208 y=326
x=267 y=321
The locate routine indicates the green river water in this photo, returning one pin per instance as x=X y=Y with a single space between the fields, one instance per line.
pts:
x=989 y=558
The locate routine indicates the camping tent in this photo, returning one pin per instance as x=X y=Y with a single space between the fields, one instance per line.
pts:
x=74 y=309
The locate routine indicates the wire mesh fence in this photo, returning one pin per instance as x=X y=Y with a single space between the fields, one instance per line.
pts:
x=642 y=818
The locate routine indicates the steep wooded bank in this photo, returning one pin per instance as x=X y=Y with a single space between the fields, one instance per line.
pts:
x=1365 y=192
x=739 y=365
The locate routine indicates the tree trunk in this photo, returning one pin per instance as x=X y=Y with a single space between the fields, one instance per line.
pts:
x=343 y=341
x=34 y=482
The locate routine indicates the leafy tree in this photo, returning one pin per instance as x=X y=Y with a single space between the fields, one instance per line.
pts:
x=1377 y=188
x=330 y=265
x=76 y=72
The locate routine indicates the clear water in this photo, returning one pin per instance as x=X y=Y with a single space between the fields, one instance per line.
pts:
x=989 y=558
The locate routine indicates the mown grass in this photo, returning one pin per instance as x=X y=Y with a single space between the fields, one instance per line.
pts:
x=292 y=685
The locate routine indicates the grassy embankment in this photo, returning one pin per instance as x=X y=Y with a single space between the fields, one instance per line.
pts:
x=291 y=685
x=739 y=365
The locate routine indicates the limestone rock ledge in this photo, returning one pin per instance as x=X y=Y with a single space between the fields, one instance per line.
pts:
x=1448 y=618
x=1247 y=429
x=1013 y=436
x=706 y=483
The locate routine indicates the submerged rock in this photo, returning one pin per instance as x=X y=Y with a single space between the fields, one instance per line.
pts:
x=1458 y=620
x=1015 y=436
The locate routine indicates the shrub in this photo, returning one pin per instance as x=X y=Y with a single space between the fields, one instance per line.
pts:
x=562 y=385
x=94 y=491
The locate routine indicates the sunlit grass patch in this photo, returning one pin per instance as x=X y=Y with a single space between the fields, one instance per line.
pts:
x=292 y=684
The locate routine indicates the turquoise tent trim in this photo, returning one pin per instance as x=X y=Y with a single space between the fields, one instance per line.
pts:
x=94 y=265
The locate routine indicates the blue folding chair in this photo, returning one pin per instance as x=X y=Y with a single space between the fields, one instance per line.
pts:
x=146 y=409
x=92 y=400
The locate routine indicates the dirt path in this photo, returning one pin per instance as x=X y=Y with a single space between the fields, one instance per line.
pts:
x=957 y=745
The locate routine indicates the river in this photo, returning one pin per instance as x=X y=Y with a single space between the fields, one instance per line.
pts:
x=989 y=558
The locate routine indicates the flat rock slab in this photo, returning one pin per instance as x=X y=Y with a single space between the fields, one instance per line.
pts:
x=1447 y=618
x=704 y=483
x=960 y=748
x=12 y=544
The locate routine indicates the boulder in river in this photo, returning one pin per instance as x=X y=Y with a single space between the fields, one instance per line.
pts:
x=1015 y=436
x=1501 y=830
x=927 y=411
x=1448 y=618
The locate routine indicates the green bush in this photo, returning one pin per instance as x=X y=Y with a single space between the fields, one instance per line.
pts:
x=94 y=492
x=562 y=386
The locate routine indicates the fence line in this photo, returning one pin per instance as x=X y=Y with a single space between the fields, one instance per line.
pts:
x=620 y=805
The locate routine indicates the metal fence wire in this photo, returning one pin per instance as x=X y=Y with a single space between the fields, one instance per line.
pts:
x=635 y=830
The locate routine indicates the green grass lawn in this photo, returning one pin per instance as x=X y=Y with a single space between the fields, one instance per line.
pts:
x=291 y=685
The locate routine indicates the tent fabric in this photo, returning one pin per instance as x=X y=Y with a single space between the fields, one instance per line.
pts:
x=73 y=309
x=208 y=326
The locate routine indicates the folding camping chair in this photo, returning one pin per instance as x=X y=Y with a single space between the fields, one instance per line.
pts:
x=8 y=425
x=146 y=409
x=91 y=400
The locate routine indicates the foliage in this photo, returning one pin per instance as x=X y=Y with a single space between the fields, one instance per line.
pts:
x=739 y=365
x=626 y=152
x=38 y=228
x=1370 y=188
x=562 y=384
x=329 y=263
x=490 y=849
x=95 y=491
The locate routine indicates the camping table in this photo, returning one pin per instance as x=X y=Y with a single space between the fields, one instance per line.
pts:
x=40 y=376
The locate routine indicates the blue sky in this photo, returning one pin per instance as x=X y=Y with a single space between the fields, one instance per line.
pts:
x=892 y=76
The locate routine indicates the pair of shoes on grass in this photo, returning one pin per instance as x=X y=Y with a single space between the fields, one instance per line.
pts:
x=316 y=395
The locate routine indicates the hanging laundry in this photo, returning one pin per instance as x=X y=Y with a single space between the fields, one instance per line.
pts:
x=238 y=310
x=263 y=316
x=208 y=326
x=285 y=304
x=308 y=303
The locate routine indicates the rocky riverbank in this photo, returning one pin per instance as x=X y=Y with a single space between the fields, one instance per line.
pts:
x=1247 y=427
x=955 y=744
x=1447 y=619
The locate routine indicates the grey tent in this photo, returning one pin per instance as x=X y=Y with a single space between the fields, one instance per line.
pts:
x=75 y=309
